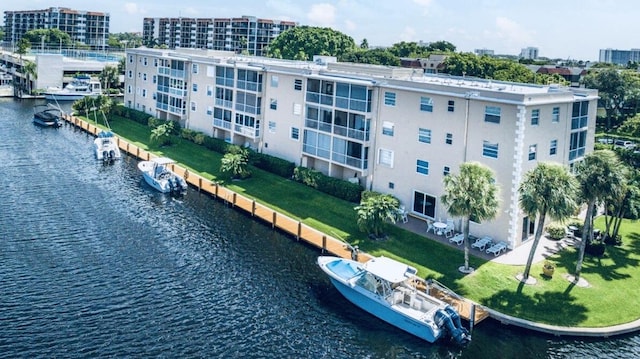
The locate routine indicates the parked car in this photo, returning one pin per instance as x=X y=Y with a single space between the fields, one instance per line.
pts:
x=625 y=144
x=606 y=141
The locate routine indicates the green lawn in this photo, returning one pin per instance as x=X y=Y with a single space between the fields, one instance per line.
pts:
x=611 y=299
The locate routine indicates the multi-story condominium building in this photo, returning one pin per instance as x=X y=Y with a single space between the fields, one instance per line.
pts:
x=246 y=34
x=393 y=129
x=620 y=57
x=530 y=53
x=86 y=27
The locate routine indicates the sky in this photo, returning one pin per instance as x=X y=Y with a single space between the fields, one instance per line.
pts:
x=566 y=29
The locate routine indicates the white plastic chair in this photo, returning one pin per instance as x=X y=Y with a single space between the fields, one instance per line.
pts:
x=431 y=227
x=451 y=228
x=403 y=214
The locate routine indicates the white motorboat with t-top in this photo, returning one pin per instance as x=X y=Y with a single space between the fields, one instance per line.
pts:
x=387 y=289
x=158 y=175
x=106 y=147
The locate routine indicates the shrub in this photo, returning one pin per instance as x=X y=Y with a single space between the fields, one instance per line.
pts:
x=556 y=231
x=199 y=138
x=216 y=144
x=595 y=248
x=188 y=134
x=275 y=165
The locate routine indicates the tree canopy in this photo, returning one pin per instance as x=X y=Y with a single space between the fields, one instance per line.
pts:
x=48 y=37
x=303 y=42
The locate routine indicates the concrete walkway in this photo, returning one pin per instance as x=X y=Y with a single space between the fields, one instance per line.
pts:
x=518 y=256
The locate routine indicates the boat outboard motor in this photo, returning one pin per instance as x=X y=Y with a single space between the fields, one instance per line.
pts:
x=112 y=155
x=449 y=320
x=105 y=155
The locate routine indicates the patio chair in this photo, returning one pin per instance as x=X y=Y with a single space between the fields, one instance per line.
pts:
x=431 y=227
x=497 y=248
x=457 y=239
x=482 y=243
x=402 y=213
x=449 y=231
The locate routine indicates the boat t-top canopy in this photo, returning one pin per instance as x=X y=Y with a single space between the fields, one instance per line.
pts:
x=389 y=269
x=163 y=160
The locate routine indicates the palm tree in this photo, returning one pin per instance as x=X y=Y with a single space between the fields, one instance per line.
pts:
x=29 y=69
x=471 y=194
x=547 y=189
x=109 y=77
x=375 y=210
x=599 y=175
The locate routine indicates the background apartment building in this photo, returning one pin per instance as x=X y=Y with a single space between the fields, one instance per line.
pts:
x=619 y=57
x=246 y=34
x=390 y=129
x=86 y=27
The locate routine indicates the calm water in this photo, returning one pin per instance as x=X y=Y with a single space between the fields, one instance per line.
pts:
x=93 y=263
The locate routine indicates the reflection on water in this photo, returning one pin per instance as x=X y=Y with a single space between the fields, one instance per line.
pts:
x=95 y=263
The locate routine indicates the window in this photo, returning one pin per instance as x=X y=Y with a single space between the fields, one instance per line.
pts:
x=426 y=104
x=555 y=115
x=144 y=77
x=273 y=104
x=424 y=135
x=580 y=114
x=209 y=110
x=422 y=167
x=194 y=68
x=272 y=126
x=389 y=98
x=492 y=114
x=297 y=84
x=387 y=128
x=553 y=147
x=295 y=133
x=154 y=79
x=193 y=106
x=489 y=149
x=451 y=106
x=532 y=152
x=144 y=92
x=446 y=170
x=155 y=62
x=424 y=204
x=449 y=139
x=209 y=90
x=129 y=89
x=385 y=157
x=274 y=81
x=392 y=185
x=130 y=74
x=130 y=59
x=535 y=117
x=195 y=87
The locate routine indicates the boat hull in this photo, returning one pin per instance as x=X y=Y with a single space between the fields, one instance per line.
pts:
x=65 y=97
x=380 y=308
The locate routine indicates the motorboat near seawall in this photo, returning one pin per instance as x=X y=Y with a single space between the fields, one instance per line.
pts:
x=387 y=289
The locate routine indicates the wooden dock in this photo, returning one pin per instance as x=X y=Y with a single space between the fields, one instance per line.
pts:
x=284 y=223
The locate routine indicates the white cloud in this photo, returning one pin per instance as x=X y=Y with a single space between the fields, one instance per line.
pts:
x=132 y=8
x=512 y=32
x=350 y=25
x=408 y=34
x=322 y=14
x=425 y=5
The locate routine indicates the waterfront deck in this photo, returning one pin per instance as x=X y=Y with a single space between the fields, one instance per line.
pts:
x=282 y=222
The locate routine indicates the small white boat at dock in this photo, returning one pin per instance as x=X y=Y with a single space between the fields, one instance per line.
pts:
x=157 y=174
